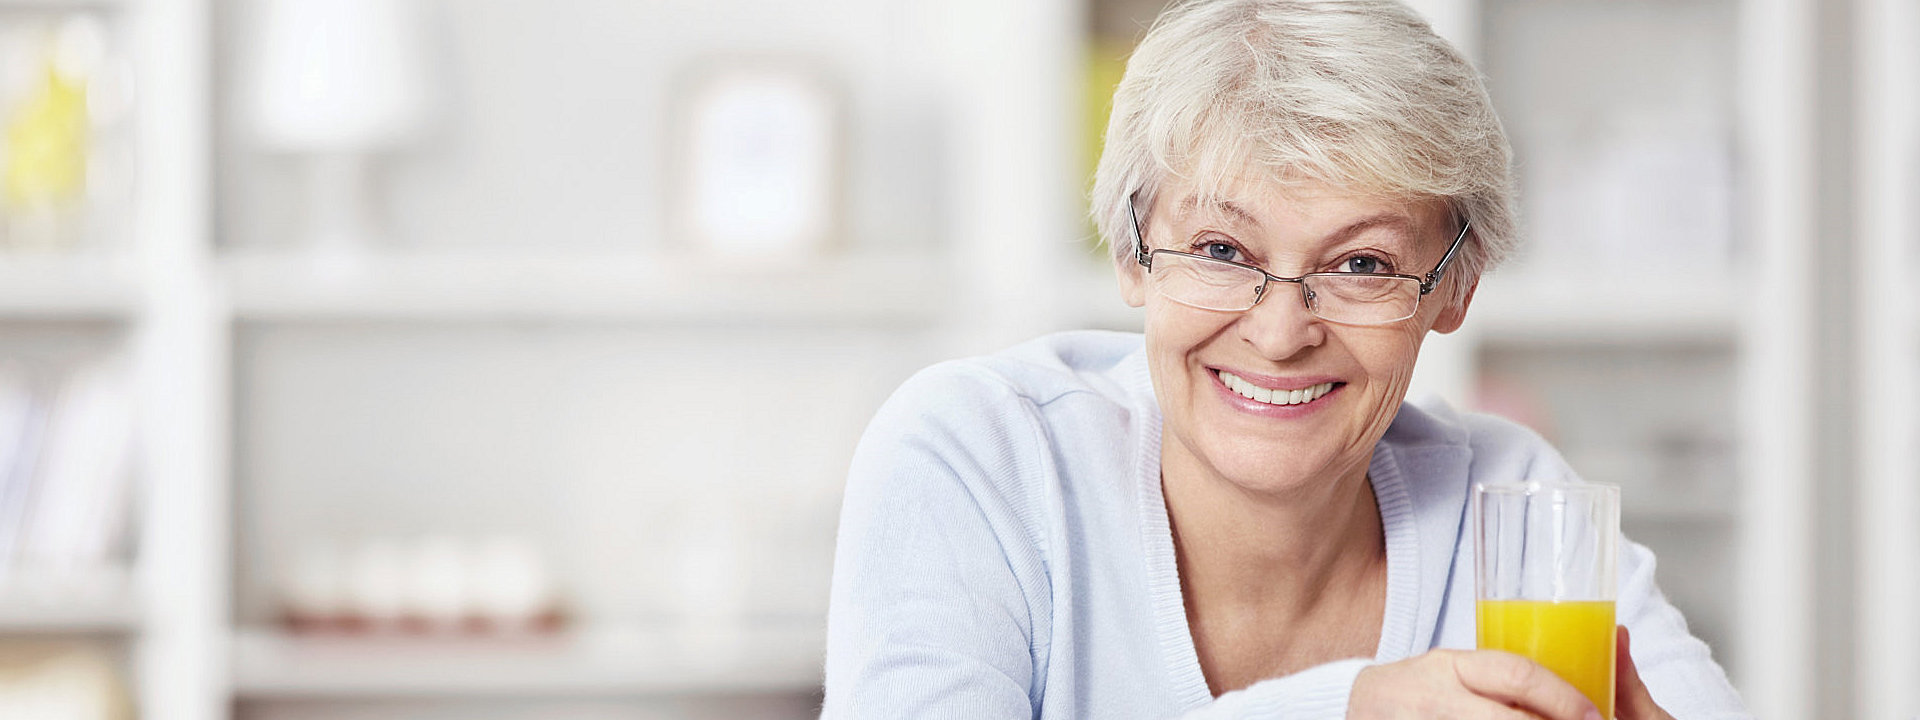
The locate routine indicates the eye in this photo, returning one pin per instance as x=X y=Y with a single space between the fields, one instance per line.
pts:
x=1220 y=251
x=1364 y=264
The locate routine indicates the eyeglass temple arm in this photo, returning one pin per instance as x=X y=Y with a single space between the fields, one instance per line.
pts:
x=1139 y=243
x=1440 y=270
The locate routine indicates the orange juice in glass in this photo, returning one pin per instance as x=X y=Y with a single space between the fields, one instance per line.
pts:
x=1546 y=578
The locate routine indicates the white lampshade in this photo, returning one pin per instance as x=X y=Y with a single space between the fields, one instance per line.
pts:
x=336 y=75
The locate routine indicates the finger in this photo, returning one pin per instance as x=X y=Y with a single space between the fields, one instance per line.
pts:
x=1516 y=681
x=1630 y=697
x=1482 y=708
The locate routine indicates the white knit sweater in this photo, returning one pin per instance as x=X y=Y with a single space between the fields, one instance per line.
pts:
x=1004 y=552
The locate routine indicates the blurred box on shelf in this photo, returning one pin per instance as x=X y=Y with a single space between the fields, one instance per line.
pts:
x=436 y=584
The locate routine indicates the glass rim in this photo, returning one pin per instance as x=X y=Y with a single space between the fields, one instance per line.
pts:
x=1260 y=279
x=1531 y=487
x=1579 y=524
x=1264 y=275
x=1316 y=312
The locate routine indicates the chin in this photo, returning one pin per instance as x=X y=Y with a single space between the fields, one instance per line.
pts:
x=1259 y=466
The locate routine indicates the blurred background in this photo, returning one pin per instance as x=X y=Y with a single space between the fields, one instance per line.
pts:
x=490 y=359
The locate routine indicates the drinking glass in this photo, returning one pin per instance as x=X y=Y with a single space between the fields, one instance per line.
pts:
x=1546 y=577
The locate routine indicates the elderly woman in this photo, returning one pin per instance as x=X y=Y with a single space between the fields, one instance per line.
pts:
x=1234 y=515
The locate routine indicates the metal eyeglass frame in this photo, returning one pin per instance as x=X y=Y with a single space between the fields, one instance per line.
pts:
x=1427 y=284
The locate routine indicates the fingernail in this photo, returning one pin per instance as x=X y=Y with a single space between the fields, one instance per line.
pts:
x=1594 y=715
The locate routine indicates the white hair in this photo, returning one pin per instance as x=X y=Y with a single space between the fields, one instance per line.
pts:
x=1359 y=94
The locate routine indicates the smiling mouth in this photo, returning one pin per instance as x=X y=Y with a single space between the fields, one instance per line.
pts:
x=1271 y=396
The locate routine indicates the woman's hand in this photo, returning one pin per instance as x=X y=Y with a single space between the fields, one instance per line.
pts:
x=1468 y=684
x=1630 y=698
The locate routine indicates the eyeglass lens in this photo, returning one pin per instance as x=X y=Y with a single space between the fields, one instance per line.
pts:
x=1214 y=285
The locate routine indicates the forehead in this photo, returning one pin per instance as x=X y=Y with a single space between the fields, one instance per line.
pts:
x=1313 y=207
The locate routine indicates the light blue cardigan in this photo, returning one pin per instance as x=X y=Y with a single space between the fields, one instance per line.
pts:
x=1004 y=552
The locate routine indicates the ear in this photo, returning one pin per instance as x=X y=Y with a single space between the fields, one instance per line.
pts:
x=1456 y=314
x=1133 y=280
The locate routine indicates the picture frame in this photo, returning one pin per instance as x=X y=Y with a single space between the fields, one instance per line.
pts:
x=758 y=157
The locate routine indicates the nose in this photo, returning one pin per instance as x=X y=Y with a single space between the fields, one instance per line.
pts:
x=1280 y=325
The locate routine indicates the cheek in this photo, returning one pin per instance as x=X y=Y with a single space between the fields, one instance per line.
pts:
x=1388 y=354
x=1174 y=330
x=1171 y=335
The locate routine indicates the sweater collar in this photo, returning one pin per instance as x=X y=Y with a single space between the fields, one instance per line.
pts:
x=1421 y=491
x=1419 y=476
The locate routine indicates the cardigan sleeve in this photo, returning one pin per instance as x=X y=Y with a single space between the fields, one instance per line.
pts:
x=1676 y=666
x=938 y=594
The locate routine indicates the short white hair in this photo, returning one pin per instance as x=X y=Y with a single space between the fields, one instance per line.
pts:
x=1358 y=94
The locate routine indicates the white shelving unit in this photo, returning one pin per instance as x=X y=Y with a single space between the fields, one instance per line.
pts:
x=982 y=284
x=188 y=307
x=1887 y=318
x=1774 y=417
x=147 y=297
x=179 y=350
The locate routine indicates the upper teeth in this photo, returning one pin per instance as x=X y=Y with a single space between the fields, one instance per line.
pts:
x=1274 y=397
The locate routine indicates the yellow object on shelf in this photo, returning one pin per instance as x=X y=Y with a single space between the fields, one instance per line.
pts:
x=46 y=158
x=1106 y=64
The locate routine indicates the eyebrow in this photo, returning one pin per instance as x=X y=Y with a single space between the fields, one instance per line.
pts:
x=1225 y=207
x=1387 y=220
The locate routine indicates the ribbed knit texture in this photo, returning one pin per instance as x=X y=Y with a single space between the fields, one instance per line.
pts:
x=1403 y=557
x=1005 y=552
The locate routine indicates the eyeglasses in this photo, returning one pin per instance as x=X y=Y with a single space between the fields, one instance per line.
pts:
x=1341 y=297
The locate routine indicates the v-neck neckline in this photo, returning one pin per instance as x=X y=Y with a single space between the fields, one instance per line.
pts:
x=1175 y=635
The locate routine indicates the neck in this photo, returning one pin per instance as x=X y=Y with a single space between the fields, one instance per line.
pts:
x=1283 y=550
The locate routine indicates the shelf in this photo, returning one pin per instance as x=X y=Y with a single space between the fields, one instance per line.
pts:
x=63 y=287
x=23 y=618
x=607 y=661
x=508 y=286
x=1529 y=310
x=61 y=5
x=81 y=602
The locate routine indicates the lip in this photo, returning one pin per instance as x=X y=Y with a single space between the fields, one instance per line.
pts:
x=1290 y=382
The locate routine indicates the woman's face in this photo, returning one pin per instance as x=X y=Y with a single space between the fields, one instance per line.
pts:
x=1201 y=359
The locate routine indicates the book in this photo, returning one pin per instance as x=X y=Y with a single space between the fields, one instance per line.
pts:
x=79 y=505
x=23 y=415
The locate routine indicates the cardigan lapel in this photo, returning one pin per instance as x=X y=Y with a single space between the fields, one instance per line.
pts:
x=1437 y=483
